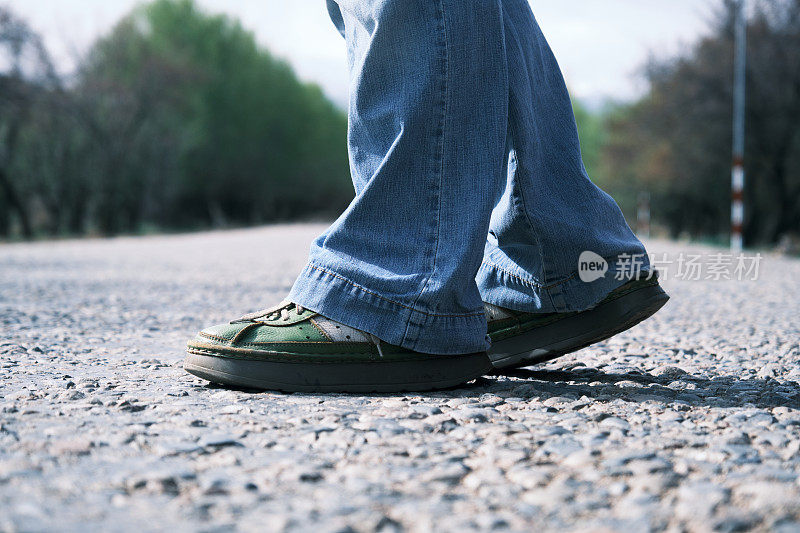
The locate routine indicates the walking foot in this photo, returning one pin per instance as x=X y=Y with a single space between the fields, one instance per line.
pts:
x=521 y=339
x=288 y=348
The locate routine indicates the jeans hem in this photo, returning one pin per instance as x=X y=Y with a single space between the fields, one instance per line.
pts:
x=323 y=290
x=500 y=287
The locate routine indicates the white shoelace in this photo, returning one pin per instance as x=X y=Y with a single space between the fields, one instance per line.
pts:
x=377 y=342
x=280 y=311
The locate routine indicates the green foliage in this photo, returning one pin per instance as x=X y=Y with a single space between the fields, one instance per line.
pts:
x=591 y=132
x=676 y=142
x=179 y=119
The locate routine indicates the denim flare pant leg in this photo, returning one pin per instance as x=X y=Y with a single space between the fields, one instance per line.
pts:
x=469 y=182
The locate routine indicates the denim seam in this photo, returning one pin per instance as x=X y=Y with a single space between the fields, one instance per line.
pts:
x=532 y=284
x=356 y=285
x=536 y=284
x=440 y=154
x=518 y=193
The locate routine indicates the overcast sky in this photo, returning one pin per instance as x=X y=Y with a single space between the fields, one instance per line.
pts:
x=600 y=43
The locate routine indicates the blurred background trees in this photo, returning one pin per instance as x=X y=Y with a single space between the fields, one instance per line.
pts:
x=177 y=119
x=675 y=143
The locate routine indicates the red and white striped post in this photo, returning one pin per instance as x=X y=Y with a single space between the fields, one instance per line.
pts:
x=737 y=204
x=737 y=172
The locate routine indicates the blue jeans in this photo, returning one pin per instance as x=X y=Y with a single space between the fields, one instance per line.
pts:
x=468 y=176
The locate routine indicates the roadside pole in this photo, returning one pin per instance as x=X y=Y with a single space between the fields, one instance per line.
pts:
x=737 y=171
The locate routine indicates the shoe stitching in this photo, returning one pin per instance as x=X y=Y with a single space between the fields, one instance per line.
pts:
x=217 y=352
x=213 y=337
x=242 y=332
x=322 y=331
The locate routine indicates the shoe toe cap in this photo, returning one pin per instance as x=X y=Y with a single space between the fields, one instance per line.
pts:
x=222 y=334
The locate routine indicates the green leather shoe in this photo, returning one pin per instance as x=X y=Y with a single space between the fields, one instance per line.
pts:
x=292 y=349
x=522 y=339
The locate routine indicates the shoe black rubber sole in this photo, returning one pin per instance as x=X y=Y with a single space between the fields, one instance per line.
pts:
x=438 y=372
x=578 y=330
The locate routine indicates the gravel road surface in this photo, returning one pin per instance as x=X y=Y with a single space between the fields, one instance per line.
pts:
x=689 y=422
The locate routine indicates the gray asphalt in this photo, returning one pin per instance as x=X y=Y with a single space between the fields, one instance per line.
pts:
x=688 y=422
